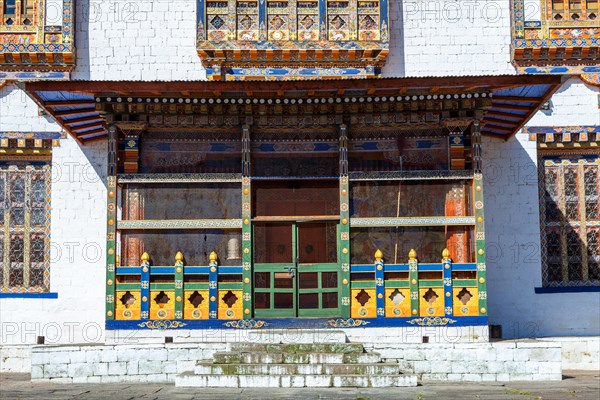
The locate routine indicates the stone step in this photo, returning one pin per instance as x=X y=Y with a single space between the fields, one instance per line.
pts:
x=297 y=348
x=295 y=358
x=296 y=369
x=189 y=379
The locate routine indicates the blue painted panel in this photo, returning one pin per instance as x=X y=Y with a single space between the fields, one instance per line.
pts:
x=229 y=270
x=396 y=267
x=128 y=271
x=304 y=323
x=197 y=270
x=362 y=268
x=162 y=271
x=430 y=267
x=49 y=295
x=464 y=267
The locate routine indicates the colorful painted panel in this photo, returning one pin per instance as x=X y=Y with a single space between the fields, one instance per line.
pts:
x=181 y=201
x=567 y=33
x=185 y=153
x=396 y=242
x=399 y=153
x=196 y=246
x=334 y=34
x=406 y=199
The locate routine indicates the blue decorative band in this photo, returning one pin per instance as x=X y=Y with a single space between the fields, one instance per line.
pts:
x=49 y=295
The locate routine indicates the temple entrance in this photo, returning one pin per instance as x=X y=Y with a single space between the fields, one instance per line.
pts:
x=295 y=250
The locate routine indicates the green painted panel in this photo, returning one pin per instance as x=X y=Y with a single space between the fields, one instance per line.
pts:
x=128 y=286
x=464 y=282
x=397 y=284
x=362 y=284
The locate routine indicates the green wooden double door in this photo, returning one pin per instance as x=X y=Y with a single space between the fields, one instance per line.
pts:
x=296 y=270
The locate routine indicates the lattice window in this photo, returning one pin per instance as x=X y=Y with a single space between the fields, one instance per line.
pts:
x=574 y=10
x=24 y=226
x=570 y=199
x=15 y=12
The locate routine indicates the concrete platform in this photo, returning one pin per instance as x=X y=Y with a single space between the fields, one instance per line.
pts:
x=578 y=385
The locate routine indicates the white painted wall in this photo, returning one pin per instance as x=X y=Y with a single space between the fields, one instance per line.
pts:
x=443 y=37
x=156 y=40
x=137 y=40
x=78 y=232
x=575 y=103
x=513 y=249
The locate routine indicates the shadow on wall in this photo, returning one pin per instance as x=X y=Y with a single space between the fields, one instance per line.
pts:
x=83 y=13
x=514 y=252
x=395 y=65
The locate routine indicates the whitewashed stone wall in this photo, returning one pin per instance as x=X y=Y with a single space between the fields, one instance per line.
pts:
x=443 y=37
x=501 y=361
x=579 y=353
x=575 y=103
x=137 y=40
x=78 y=236
x=513 y=232
x=156 y=40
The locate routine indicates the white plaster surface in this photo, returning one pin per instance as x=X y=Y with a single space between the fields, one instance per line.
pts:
x=78 y=237
x=513 y=250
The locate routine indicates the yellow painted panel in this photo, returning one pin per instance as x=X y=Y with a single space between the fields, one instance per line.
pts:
x=436 y=308
x=162 y=311
x=472 y=306
x=233 y=312
x=402 y=309
x=191 y=312
x=368 y=310
x=131 y=310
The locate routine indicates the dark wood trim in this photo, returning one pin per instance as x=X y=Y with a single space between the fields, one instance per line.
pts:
x=516 y=99
x=139 y=87
x=544 y=99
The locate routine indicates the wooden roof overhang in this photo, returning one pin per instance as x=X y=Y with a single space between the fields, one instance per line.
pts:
x=80 y=107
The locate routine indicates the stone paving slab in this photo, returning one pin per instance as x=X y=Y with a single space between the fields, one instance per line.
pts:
x=581 y=385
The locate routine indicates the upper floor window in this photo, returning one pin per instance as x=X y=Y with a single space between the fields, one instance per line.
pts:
x=25 y=225
x=570 y=226
x=16 y=12
x=574 y=10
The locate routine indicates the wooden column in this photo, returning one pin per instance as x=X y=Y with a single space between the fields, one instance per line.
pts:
x=479 y=220
x=344 y=231
x=111 y=231
x=246 y=226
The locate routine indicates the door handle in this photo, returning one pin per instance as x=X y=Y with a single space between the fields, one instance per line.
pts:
x=292 y=270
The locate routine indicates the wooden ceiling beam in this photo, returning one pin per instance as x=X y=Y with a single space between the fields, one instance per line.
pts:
x=503 y=115
x=91 y=133
x=74 y=112
x=140 y=87
x=497 y=128
x=510 y=107
x=86 y=126
x=72 y=103
x=517 y=99
x=82 y=119
x=500 y=122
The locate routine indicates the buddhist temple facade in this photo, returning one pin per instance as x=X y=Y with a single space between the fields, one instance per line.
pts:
x=410 y=170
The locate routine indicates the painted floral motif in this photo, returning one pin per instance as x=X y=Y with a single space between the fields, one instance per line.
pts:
x=431 y=321
x=161 y=325
x=246 y=324
x=346 y=323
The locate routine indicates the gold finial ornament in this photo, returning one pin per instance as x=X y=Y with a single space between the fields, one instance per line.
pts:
x=445 y=253
x=378 y=255
x=117 y=260
x=412 y=254
x=179 y=256
x=145 y=257
x=213 y=256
